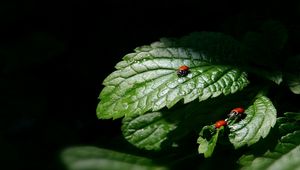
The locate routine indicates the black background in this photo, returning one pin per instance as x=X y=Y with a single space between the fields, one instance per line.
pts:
x=55 y=54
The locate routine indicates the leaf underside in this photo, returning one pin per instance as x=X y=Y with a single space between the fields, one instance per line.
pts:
x=147 y=81
x=261 y=116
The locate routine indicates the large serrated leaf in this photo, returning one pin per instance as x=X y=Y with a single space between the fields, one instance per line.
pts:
x=147 y=80
x=148 y=131
x=261 y=116
x=93 y=158
x=286 y=155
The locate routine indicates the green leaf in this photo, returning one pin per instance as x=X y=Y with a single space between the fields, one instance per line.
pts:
x=246 y=160
x=286 y=155
x=147 y=81
x=292 y=115
x=207 y=146
x=292 y=74
x=285 y=126
x=220 y=47
x=150 y=130
x=289 y=123
x=93 y=158
x=158 y=130
x=261 y=116
x=293 y=81
x=272 y=75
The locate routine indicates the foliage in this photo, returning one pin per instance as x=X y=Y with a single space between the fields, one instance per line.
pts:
x=169 y=114
x=89 y=158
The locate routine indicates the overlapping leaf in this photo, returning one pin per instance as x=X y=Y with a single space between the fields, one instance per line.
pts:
x=293 y=81
x=261 y=116
x=147 y=80
x=158 y=130
x=292 y=75
x=286 y=155
x=93 y=158
x=148 y=131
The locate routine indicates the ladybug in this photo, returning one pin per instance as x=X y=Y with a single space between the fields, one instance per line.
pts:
x=236 y=112
x=183 y=70
x=220 y=123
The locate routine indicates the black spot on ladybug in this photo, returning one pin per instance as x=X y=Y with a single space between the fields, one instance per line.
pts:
x=183 y=70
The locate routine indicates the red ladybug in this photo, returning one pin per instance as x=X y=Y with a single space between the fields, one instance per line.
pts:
x=220 y=123
x=236 y=112
x=183 y=70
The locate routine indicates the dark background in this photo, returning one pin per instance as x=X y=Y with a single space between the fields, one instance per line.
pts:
x=55 y=54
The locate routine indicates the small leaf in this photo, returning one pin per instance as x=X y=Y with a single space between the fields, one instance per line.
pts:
x=261 y=116
x=292 y=115
x=93 y=158
x=293 y=81
x=207 y=146
x=292 y=74
x=150 y=130
x=286 y=155
x=147 y=81
x=289 y=123
x=275 y=76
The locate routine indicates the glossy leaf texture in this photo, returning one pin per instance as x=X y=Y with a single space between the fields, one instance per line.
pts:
x=93 y=158
x=261 y=117
x=147 y=81
x=150 y=130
